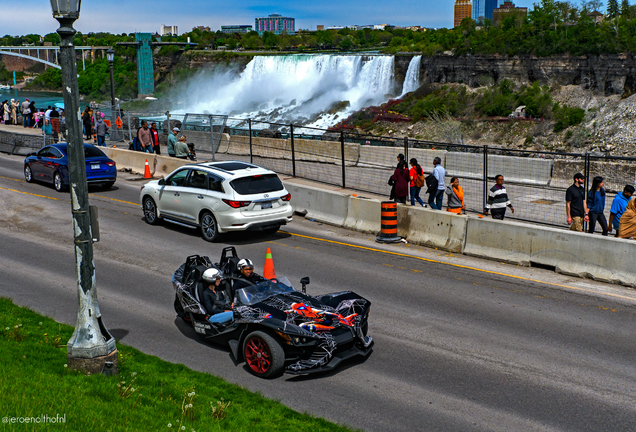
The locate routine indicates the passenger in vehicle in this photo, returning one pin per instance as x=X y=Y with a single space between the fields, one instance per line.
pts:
x=247 y=276
x=214 y=299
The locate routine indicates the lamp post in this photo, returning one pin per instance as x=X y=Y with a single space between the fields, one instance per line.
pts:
x=110 y=55
x=91 y=348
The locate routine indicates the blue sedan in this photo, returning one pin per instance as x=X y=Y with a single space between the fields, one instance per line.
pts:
x=50 y=164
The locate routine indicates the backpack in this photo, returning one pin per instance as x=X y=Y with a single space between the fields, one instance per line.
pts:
x=431 y=183
x=419 y=180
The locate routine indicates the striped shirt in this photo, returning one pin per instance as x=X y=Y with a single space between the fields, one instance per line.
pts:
x=498 y=198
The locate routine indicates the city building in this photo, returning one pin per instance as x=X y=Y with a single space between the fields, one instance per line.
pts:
x=236 y=28
x=382 y=27
x=483 y=9
x=320 y=27
x=169 y=30
x=202 y=28
x=507 y=9
x=463 y=9
x=276 y=24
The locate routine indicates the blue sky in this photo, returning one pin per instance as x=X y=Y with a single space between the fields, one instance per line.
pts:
x=126 y=16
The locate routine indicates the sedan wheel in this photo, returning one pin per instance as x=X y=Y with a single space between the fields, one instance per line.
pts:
x=209 y=228
x=57 y=182
x=28 y=174
x=264 y=356
x=150 y=211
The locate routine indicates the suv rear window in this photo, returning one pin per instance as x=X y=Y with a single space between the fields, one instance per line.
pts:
x=257 y=184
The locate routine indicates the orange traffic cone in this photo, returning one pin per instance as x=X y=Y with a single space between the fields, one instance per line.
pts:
x=268 y=271
x=147 y=171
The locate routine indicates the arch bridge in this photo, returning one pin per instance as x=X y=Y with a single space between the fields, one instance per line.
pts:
x=49 y=55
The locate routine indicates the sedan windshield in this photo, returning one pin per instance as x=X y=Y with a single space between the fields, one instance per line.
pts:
x=263 y=290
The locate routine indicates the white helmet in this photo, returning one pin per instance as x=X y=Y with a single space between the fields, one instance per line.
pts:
x=244 y=263
x=212 y=274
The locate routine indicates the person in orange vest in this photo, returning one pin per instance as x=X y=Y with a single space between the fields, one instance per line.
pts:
x=247 y=276
x=455 y=197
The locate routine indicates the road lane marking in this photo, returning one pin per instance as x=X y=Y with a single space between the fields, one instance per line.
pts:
x=459 y=266
x=32 y=194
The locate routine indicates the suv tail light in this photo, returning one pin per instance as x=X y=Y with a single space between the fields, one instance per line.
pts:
x=110 y=163
x=286 y=197
x=237 y=204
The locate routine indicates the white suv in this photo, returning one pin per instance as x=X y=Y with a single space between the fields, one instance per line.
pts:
x=218 y=197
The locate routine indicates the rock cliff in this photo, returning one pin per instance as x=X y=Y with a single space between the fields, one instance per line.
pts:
x=603 y=74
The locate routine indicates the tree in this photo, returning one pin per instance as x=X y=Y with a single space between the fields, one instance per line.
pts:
x=612 y=8
x=625 y=8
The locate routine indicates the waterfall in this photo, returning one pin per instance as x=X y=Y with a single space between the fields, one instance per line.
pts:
x=304 y=89
x=412 y=79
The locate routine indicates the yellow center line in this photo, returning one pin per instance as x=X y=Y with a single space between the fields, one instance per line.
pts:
x=459 y=266
x=32 y=194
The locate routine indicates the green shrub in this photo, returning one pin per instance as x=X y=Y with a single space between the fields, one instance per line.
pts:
x=566 y=116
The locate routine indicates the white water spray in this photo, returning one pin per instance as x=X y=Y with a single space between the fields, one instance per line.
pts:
x=304 y=89
x=412 y=78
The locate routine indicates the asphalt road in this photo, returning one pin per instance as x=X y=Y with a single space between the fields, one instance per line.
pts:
x=457 y=348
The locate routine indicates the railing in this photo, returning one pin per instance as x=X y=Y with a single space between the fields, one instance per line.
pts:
x=535 y=181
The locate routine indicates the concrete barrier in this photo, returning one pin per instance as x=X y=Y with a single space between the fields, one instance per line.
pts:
x=136 y=161
x=319 y=204
x=577 y=254
x=432 y=228
x=363 y=214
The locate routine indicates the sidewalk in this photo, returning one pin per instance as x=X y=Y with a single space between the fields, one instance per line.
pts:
x=19 y=129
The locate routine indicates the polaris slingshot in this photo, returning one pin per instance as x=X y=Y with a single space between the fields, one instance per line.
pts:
x=273 y=327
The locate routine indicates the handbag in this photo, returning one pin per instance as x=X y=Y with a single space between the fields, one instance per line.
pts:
x=391 y=182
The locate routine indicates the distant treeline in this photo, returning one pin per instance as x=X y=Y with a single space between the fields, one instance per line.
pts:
x=551 y=27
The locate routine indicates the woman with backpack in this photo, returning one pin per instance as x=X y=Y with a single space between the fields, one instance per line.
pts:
x=417 y=181
x=596 y=205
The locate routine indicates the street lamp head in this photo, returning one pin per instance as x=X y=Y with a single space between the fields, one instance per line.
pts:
x=110 y=55
x=66 y=9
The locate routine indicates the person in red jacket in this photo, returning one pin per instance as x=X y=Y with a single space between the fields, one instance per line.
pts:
x=154 y=138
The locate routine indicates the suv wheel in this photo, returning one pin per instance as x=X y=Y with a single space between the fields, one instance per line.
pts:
x=150 y=211
x=209 y=227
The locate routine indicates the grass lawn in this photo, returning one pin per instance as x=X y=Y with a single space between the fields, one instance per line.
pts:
x=149 y=394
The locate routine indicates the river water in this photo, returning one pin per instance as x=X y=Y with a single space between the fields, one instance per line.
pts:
x=42 y=99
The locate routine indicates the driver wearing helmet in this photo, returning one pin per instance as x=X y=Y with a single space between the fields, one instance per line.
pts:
x=214 y=299
x=247 y=276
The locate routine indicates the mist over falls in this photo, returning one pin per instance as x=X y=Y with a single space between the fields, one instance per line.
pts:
x=312 y=90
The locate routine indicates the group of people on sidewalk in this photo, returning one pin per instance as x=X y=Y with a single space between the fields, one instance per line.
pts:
x=51 y=121
x=147 y=140
x=591 y=208
x=579 y=207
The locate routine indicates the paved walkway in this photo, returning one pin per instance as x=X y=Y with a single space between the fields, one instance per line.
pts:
x=20 y=129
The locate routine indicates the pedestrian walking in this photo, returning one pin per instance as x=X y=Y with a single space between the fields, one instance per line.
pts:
x=498 y=199
x=455 y=203
x=5 y=111
x=400 y=159
x=627 y=225
x=143 y=134
x=417 y=181
x=154 y=138
x=435 y=185
x=14 y=111
x=401 y=179
x=55 y=124
x=181 y=149
x=172 y=141
x=100 y=130
x=619 y=205
x=86 y=121
x=596 y=205
x=575 y=205
x=26 y=113
x=32 y=114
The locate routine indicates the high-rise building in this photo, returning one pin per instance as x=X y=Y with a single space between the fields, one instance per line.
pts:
x=463 y=9
x=169 y=30
x=483 y=9
x=276 y=24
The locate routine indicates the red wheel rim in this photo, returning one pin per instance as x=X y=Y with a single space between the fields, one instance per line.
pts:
x=257 y=355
